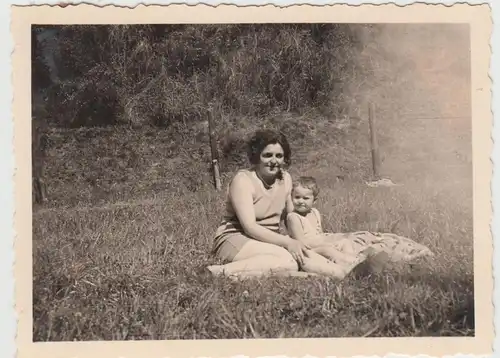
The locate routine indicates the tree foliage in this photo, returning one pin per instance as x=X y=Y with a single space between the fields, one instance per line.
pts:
x=167 y=75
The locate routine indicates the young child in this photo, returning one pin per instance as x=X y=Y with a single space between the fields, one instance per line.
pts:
x=304 y=224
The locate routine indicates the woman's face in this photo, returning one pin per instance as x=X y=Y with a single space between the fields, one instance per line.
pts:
x=271 y=160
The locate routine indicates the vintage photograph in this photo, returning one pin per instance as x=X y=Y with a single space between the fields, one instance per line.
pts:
x=251 y=181
x=234 y=180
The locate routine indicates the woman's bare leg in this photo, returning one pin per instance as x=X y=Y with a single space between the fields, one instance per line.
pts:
x=258 y=259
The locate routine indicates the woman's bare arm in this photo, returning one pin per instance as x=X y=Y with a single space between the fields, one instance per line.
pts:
x=242 y=203
x=289 y=203
x=294 y=227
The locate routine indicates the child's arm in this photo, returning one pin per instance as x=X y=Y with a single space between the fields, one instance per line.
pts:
x=294 y=227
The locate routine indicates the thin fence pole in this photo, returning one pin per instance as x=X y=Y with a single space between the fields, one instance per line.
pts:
x=215 y=152
x=374 y=142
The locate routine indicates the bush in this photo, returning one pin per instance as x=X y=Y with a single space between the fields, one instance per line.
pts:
x=168 y=74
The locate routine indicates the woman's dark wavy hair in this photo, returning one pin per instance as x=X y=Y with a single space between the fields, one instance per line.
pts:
x=261 y=139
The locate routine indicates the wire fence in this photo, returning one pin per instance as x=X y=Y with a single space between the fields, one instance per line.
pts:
x=153 y=202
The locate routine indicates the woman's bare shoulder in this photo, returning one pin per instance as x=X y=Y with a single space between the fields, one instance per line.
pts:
x=286 y=175
x=242 y=173
x=287 y=178
x=242 y=179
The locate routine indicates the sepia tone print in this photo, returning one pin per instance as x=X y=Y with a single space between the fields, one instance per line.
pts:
x=215 y=181
x=131 y=198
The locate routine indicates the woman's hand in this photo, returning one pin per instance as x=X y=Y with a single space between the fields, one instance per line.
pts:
x=298 y=250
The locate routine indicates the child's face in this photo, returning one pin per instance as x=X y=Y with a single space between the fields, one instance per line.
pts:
x=303 y=199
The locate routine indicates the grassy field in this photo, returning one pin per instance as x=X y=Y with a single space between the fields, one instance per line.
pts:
x=113 y=261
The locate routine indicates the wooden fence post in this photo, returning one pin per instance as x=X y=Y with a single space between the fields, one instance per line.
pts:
x=374 y=142
x=38 y=146
x=213 y=147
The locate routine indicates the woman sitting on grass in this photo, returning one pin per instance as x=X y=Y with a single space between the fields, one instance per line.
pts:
x=248 y=241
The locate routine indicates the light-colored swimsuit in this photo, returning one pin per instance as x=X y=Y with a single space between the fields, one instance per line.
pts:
x=269 y=205
x=311 y=228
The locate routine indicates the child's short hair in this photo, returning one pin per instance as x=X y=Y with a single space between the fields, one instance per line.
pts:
x=308 y=183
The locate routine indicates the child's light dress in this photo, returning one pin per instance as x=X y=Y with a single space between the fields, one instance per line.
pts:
x=397 y=247
x=313 y=235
